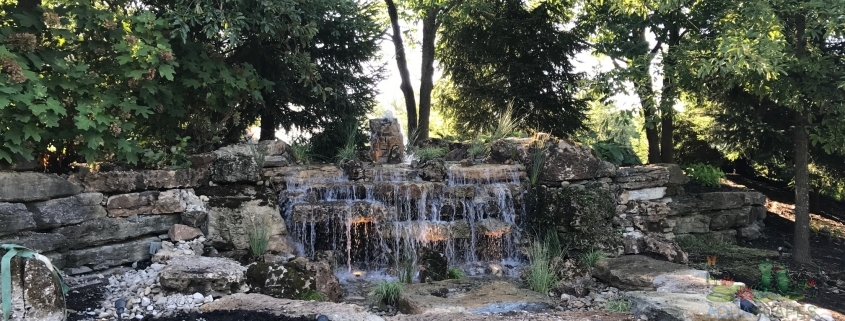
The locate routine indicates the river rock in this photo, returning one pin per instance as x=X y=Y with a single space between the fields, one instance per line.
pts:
x=31 y=186
x=211 y=275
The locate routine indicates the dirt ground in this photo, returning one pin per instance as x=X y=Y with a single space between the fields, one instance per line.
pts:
x=827 y=246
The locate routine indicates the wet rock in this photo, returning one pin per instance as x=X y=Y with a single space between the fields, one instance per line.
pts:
x=69 y=210
x=181 y=232
x=353 y=169
x=434 y=264
x=125 y=182
x=432 y=170
x=386 y=142
x=236 y=211
x=294 y=279
x=36 y=295
x=14 y=217
x=31 y=186
x=213 y=275
x=107 y=229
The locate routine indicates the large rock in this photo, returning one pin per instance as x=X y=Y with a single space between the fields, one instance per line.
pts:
x=14 y=217
x=690 y=224
x=658 y=306
x=386 y=142
x=103 y=257
x=208 y=275
x=106 y=230
x=36 y=295
x=295 y=279
x=634 y=272
x=736 y=217
x=181 y=232
x=639 y=177
x=646 y=194
x=236 y=211
x=676 y=174
x=67 y=211
x=30 y=187
x=125 y=182
x=39 y=242
x=150 y=202
x=290 y=308
x=565 y=160
x=432 y=170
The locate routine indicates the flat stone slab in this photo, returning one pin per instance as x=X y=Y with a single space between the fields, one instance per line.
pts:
x=635 y=272
x=469 y=296
x=291 y=308
x=210 y=275
x=662 y=306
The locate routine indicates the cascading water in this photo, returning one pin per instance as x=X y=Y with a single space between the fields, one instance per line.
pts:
x=471 y=217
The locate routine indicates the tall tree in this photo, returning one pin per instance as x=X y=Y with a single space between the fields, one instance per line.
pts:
x=787 y=55
x=503 y=54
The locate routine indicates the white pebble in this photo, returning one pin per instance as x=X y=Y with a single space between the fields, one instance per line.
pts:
x=198 y=296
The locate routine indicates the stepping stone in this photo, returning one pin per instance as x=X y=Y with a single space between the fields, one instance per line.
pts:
x=636 y=272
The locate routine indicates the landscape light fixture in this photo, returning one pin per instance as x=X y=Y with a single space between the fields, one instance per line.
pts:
x=322 y=318
x=120 y=306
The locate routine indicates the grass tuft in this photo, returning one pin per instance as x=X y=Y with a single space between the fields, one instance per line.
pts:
x=619 y=304
x=301 y=151
x=541 y=277
x=505 y=126
x=455 y=273
x=429 y=153
x=312 y=295
x=477 y=149
x=386 y=292
x=592 y=257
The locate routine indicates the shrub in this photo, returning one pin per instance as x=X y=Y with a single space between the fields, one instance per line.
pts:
x=616 y=153
x=705 y=175
x=386 y=292
x=455 y=273
x=350 y=135
x=346 y=153
x=589 y=259
x=477 y=149
x=430 y=153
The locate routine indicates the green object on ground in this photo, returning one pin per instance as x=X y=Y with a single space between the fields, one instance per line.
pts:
x=720 y=297
x=766 y=274
x=725 y=289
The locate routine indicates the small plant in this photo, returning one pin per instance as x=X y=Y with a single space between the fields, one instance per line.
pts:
x=258 y=238
x=782 y=279
x=312 y=295
x=13 y=250
x=259 y=153
x=705 y=175
x=615 y=153
x=619 y=304
x=386 y=292
x=405 y=266
x=765 y=275
x=538 y=157
x=346 y=153
x=477 y=149
x=505 y=126
x=541 y=277
x=455 y=273
x=592 y=257
x=430 y=153
x=301 y=151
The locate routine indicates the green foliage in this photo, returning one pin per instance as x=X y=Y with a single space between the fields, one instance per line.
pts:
x=259 y=153
x=539 y=152
x=765 y=275
x=618 y=305
x=590 y=258
x=429 y=153
x=782 y=279
x=616 y=153
x=347 y=152
x=507 y=54
x=477 y=149
x=541 y=276
x=13 y=250
x=705 y=175
x=312 y=295
x=258 y=239
x=455 y=273
x=506 y=124
x=301 y=151
x=585 y=210
x=691 y=146
x=386 y=292
x=174 y=158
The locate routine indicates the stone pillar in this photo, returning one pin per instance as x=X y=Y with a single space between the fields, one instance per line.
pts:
x=386 y=144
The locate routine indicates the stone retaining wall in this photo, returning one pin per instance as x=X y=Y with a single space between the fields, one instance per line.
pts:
x=93 y=221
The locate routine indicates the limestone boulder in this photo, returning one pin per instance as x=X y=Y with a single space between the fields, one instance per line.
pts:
x=432 y=170
x=67 y=211
x=735 y=217
x=39 y=242
x=646 y=194
x=149 y=202
x=386 y=141
x=292 y=308
x=107 y=230
x=36 y=295
x=640 y=177
x=676 y=174
x=106 y=256
x=294 y=279
x=235 y=211
x=216 y=276
x=690 y=224
x=751 y=232
x=565 y=160
x=14 y=217
x=434 y=265
x=636 y=242
x=633 y=272
x=31 y=186
x=133 y=181
x=181 y=232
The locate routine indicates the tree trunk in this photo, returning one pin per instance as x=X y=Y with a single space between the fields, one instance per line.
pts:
x=667 y=99
x=646 y=95
x=427 y=75
x=402 y=63
x=269 y=124
x=801 y=246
